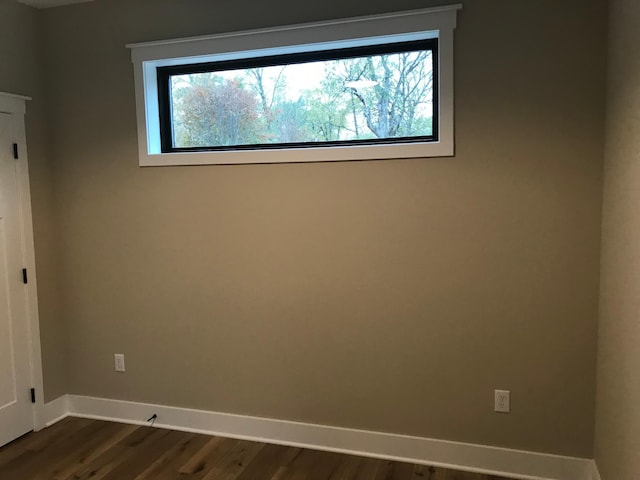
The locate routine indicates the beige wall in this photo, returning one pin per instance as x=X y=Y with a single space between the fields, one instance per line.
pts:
x=384 y=295
x=617 y=444
x=21 y=73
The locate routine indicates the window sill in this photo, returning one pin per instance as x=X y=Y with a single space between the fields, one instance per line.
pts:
x=299 y=155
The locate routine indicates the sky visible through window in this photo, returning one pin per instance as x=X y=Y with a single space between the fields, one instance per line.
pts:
x=382 y=96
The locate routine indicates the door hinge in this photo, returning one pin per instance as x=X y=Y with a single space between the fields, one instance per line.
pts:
x=33 y=395
x=24 y=275
x=15 y=151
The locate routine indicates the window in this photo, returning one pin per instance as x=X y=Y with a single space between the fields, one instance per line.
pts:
x=362 y=95
x=362 y=88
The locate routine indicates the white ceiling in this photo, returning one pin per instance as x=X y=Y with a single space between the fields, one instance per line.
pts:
x=50 y=3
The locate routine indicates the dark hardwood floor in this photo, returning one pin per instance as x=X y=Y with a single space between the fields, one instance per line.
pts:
x=78 y=448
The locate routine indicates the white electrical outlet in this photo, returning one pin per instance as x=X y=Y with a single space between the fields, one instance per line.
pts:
x=502 y=401
x=119 y=359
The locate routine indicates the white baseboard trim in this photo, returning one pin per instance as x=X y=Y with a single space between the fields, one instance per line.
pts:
x=56 y=410
x=595 y=473
x=516 y=464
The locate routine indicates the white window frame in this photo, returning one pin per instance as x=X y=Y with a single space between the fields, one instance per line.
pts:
x=437 y=22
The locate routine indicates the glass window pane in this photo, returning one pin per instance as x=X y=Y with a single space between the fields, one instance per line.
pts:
x=386 y=96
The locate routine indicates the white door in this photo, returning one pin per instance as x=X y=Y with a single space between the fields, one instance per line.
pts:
x=16 y=411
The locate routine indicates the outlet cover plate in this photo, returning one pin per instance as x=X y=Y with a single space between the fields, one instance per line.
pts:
x=119 y=362
x=502 y=401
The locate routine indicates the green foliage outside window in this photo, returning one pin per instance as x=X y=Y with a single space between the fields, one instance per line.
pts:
x=374 y=97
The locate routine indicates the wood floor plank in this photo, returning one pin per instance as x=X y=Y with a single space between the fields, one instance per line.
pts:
x=91 y=449
x=104 y=464
x=145 y=454
x=166 y=465
x=326 y=463
x=347 y=468
x=280 y=473
x=117 y=455
x=434 y=473
x=401 y=471
x=94 y=433
x=38 y=463
x=204 y=460
x=300 y=466
x=456 y=475
x=83 y=449
x=423 y=472
x=235 y=461
x=54 y=433
x=312 y=465
x=390 y=470
x=269 y=460
x=28 y=441
x=368 y=469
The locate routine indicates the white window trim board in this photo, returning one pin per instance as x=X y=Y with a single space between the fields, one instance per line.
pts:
x=374 y=29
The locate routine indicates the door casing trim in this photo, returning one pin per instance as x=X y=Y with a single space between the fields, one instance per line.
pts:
x=15 y=105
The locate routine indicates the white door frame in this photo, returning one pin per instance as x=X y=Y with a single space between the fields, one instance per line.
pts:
x=16 y=106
